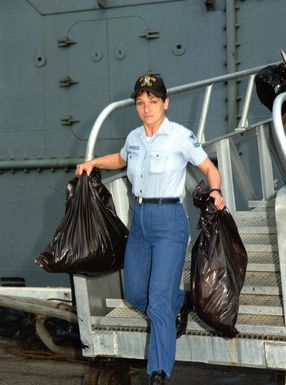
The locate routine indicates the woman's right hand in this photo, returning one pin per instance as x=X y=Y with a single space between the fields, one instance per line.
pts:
x=106 y=162
x=84 y=167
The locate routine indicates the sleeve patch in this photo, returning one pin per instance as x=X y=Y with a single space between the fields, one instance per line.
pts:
x=194 y=140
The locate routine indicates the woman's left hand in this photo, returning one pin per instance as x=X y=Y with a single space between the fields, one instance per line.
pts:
x=218 y=200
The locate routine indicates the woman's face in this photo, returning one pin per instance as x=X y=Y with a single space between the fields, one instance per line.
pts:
x=151 y=109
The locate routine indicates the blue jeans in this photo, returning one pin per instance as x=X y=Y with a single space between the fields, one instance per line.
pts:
x=154 y=261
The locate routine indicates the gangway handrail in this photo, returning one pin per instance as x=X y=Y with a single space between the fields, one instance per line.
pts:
x=173 y=90
x=279 y=132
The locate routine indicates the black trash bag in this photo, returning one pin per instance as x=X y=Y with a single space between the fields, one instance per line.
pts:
x=218 y=267
x=91 y=238
x=10 y=321
x=270 y=82
x=64 y=333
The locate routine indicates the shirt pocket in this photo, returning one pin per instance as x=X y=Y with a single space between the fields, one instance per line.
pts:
x=132 y=162
x=158 y=162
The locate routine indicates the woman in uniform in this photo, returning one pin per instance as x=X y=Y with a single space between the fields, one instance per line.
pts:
x=156 y=155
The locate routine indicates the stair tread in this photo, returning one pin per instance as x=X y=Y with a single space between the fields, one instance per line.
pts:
x=260 y=300
x=262 y=203
x=126 y=317
x=255 y=221
x=262 y=279
x=263 y=267
x=260 y=257
x=259 y=239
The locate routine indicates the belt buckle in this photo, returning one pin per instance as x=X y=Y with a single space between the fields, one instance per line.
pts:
x=140 y=200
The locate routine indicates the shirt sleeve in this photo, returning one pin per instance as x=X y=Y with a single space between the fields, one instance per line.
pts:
x=123 y=151
x=130 y=138
x=191 y=148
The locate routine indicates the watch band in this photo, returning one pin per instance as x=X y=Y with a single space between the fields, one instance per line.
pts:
x=216 y=189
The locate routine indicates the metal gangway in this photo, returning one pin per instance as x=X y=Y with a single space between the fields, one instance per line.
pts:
x=109 y=327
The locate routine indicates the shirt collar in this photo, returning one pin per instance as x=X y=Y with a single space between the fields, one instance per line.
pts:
x=164 y=129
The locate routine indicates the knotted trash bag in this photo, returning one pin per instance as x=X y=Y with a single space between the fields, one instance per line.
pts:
x=270 y=82
x=218 y=267
x=91 y=238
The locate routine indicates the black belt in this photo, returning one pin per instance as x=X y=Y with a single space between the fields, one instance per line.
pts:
x=141 y=200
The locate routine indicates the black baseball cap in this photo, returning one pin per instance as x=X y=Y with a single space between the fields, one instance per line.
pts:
x=150 y=83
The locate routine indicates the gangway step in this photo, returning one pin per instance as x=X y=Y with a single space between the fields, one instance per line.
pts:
x=257 y=230
x=256 y=282
x=260 y=300
x=263 y=257
x=259 y=239
x=263 y=216
x=130 y=320
x=251 y=221
x=262 y=279
x=249 y=304
x=263 y=267
x=257 y=261
x=265 y=310
x=268 y=248
x=262 y=204
x=245 y=300
x=261 y=290
x=270 y=267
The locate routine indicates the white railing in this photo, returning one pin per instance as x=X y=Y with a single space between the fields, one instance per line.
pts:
x=208 y=83
x=279 y=131
x=225 y=147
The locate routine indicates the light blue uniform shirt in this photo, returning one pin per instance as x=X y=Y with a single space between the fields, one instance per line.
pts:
x=156 y=167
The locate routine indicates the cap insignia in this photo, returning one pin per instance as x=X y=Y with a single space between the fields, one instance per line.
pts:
x=147 y=81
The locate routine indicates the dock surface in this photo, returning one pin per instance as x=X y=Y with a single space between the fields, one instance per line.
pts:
x=21 y=365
